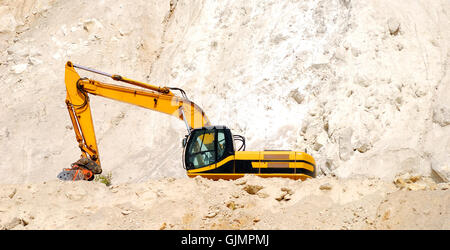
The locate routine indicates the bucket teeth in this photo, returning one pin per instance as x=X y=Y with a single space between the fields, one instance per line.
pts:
x=71 y=175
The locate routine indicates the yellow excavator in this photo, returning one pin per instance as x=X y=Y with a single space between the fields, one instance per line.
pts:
x=208 y=151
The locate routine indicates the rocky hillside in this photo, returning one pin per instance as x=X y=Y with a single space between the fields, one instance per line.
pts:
x=362 y=87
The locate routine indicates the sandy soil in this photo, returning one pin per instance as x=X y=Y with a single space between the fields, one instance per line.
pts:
x=247 y=203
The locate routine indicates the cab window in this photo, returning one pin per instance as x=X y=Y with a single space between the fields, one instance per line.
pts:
x=201 y=149
x=221 y=144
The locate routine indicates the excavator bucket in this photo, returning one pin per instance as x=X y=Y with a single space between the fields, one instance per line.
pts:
x=75 y=174
x=83 y=169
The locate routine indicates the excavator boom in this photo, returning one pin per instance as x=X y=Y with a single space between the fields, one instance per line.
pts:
x=156 y=98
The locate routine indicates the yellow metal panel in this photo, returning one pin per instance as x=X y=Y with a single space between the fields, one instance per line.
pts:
x=256 y=164
x=247 y=155
x=206 y=168
x=300 y=157
x=292 y=155
x=222 y=162
x=304 y=165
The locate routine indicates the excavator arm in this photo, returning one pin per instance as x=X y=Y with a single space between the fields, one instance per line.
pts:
x=160 y=99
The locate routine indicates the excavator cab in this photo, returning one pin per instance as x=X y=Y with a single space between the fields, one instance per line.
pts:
x=206 y=146
x=211 y=152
